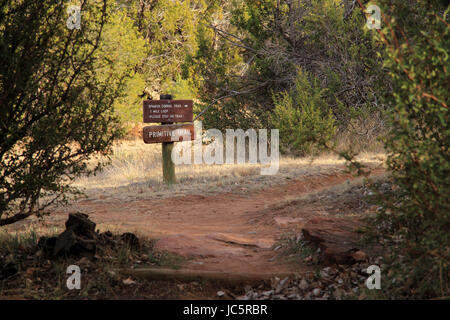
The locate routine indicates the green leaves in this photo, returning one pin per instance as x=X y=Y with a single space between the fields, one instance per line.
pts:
x=56 y=95
x=418 y=145
x=303 y=117
x=122 y=49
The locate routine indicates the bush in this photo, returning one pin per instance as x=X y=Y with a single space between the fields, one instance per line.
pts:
x=415 y=220
x=305 y=122
x=57 y=88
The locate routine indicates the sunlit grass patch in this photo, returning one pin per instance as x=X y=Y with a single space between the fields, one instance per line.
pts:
x=136 y=171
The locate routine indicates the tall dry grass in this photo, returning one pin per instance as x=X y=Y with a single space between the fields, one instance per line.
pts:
x=135 y=171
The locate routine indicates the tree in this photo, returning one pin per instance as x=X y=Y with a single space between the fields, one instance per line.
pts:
x=327 y=39
x=169 y=28
x=57 y=89
x=303 y=117
x=122 y=43
x=415 y=219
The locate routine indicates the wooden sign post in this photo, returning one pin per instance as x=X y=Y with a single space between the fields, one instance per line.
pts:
x=167 y=111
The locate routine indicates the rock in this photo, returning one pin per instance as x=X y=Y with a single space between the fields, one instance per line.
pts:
x=70 y=244
x=282 y=284
x=338 y=294
x=130 y=239
x=267 y=293
x=111 y=273
x=324 y=274
x=359 y=256
x=77 y=240
x=220 y=293
x=28 y=283
x=304 y=285
x=337 y=239
x=81 y=225
x=129 y=282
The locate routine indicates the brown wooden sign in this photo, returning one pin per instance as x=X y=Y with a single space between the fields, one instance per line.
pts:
x=164 y=111
x=169 y=133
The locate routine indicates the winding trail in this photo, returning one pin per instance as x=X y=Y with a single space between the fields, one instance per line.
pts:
x=225 y=232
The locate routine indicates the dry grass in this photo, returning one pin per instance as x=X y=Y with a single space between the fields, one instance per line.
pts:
x=136 y=172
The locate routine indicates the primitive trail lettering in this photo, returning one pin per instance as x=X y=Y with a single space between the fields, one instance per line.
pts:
x=174 y=133
x=169 y=133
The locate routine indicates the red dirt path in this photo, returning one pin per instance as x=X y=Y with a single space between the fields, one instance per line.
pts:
x=225 y=232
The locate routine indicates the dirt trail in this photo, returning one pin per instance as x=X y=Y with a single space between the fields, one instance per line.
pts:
x=226 y=232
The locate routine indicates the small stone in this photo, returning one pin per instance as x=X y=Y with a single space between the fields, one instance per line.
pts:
x=303 y=284
x=316 y=291
x=338 y=294
x=111 y=273
x=283 y=282
x=129 y=282
x=220 y=293
x=267 y=293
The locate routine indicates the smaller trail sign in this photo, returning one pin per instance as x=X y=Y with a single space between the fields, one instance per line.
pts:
x=165 y=111
x=169 y=133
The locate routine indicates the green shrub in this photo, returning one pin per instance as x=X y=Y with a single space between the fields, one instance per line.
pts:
x=415 y=220
x=57 y=90
x=305 y=122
